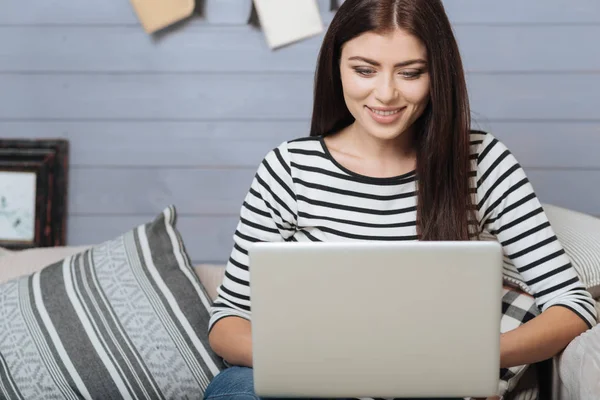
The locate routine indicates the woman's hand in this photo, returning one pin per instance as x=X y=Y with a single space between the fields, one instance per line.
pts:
x=541 y=338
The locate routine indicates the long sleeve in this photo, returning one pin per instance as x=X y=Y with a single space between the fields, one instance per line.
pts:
x=509 y=210
x=268 y=214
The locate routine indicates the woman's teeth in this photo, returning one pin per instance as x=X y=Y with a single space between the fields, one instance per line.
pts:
x=385 y=112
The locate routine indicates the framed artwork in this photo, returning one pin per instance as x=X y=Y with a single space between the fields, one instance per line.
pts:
x=33 y=193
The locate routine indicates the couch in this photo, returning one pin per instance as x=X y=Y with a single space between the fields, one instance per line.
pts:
x=573 y=374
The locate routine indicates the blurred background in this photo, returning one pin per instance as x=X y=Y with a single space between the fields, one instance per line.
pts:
x=185 y=115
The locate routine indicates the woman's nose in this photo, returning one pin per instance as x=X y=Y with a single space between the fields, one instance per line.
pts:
x=386 y=90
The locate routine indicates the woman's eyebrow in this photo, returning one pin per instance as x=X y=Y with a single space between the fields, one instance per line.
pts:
x=400 y=64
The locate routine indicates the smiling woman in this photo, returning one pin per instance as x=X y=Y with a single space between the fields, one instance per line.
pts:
x=385 y=96
x=400 y=90
x=391 y=157
x=410 y=63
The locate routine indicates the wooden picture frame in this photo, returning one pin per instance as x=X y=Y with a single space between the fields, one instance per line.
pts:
x=33 y=192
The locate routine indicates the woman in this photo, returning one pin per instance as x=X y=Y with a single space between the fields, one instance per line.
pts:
x=391 y=157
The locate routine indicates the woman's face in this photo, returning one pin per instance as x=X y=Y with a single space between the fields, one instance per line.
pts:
x=385 y=82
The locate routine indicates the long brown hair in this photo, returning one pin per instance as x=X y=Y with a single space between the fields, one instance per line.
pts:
x=444 y=203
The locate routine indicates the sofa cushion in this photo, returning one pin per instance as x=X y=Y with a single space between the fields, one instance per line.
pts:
x=16 y=263
x=211 y=277
x=5 y=252
x=124 y=319
x=579 y=366
x=579 y=235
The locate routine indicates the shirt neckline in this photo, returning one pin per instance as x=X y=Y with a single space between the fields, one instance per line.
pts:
x=366 y=178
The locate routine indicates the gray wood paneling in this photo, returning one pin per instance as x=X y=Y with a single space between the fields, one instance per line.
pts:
x=98 y=12
x=196 y=48
x=69 y=12
x=156 y=96
x=149 y=190
x=185 y=117
x=575 y=189
x=207 y=238
x=243 y=48
x=64 y=12
x=549 y=144
x=173 y=144
x=242 y=144
x=207 y=192
x=484 y=12
x=226 y=12
x=272 y=96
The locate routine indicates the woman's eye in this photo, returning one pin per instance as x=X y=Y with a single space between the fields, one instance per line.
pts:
x=411 y=74
x=364 y=71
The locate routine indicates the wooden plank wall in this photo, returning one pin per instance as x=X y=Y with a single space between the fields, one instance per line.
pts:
x=184 y=117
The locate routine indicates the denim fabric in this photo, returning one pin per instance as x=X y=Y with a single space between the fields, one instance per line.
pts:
x=236 y=383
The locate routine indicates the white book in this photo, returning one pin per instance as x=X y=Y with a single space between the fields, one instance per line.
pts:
x=287 y=21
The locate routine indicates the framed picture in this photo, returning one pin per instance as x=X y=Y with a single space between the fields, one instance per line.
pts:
x=33 y=193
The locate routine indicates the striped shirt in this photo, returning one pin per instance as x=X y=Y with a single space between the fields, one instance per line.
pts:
x=300 y=193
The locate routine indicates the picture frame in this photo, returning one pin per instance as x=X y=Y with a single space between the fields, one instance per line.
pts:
x=33 y=192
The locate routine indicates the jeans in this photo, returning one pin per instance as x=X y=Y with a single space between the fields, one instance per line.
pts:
x=236 y=383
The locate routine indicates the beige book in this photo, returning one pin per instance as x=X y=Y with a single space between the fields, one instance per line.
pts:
x=155 y=15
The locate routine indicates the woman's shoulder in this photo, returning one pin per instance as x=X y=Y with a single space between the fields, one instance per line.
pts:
x=284 y=154
x=304 y=143
x=298 y=143
x=492 y=160
x=287 y=149
x=483 y=142
x=478 y=138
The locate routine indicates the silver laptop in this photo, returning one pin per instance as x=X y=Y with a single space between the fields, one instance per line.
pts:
x=374 y=319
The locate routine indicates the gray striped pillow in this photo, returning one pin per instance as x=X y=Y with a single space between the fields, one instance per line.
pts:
x=126 y=319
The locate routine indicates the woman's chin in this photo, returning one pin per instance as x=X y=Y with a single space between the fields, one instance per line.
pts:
x=387 y=133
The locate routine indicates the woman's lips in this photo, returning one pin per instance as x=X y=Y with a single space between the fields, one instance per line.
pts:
x=385 y=115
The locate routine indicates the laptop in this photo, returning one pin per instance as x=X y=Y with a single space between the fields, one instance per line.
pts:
x=376 y=319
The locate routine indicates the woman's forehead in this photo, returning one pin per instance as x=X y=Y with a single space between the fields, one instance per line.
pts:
x=390 y=47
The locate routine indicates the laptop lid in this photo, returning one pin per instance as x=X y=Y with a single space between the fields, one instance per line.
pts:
x=376 y=319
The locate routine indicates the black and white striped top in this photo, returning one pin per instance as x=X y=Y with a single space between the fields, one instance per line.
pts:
x=300 y=193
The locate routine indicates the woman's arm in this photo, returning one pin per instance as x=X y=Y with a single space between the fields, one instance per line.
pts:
x=509 y=209
x=541 y=338
x=268 y=214
x=231 y=339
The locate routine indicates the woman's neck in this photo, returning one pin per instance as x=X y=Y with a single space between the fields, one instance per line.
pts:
x=371 y=148
x=362 y=153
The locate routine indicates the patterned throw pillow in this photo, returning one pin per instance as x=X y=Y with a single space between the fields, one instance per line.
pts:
x=125 y=319
x=517 y=309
